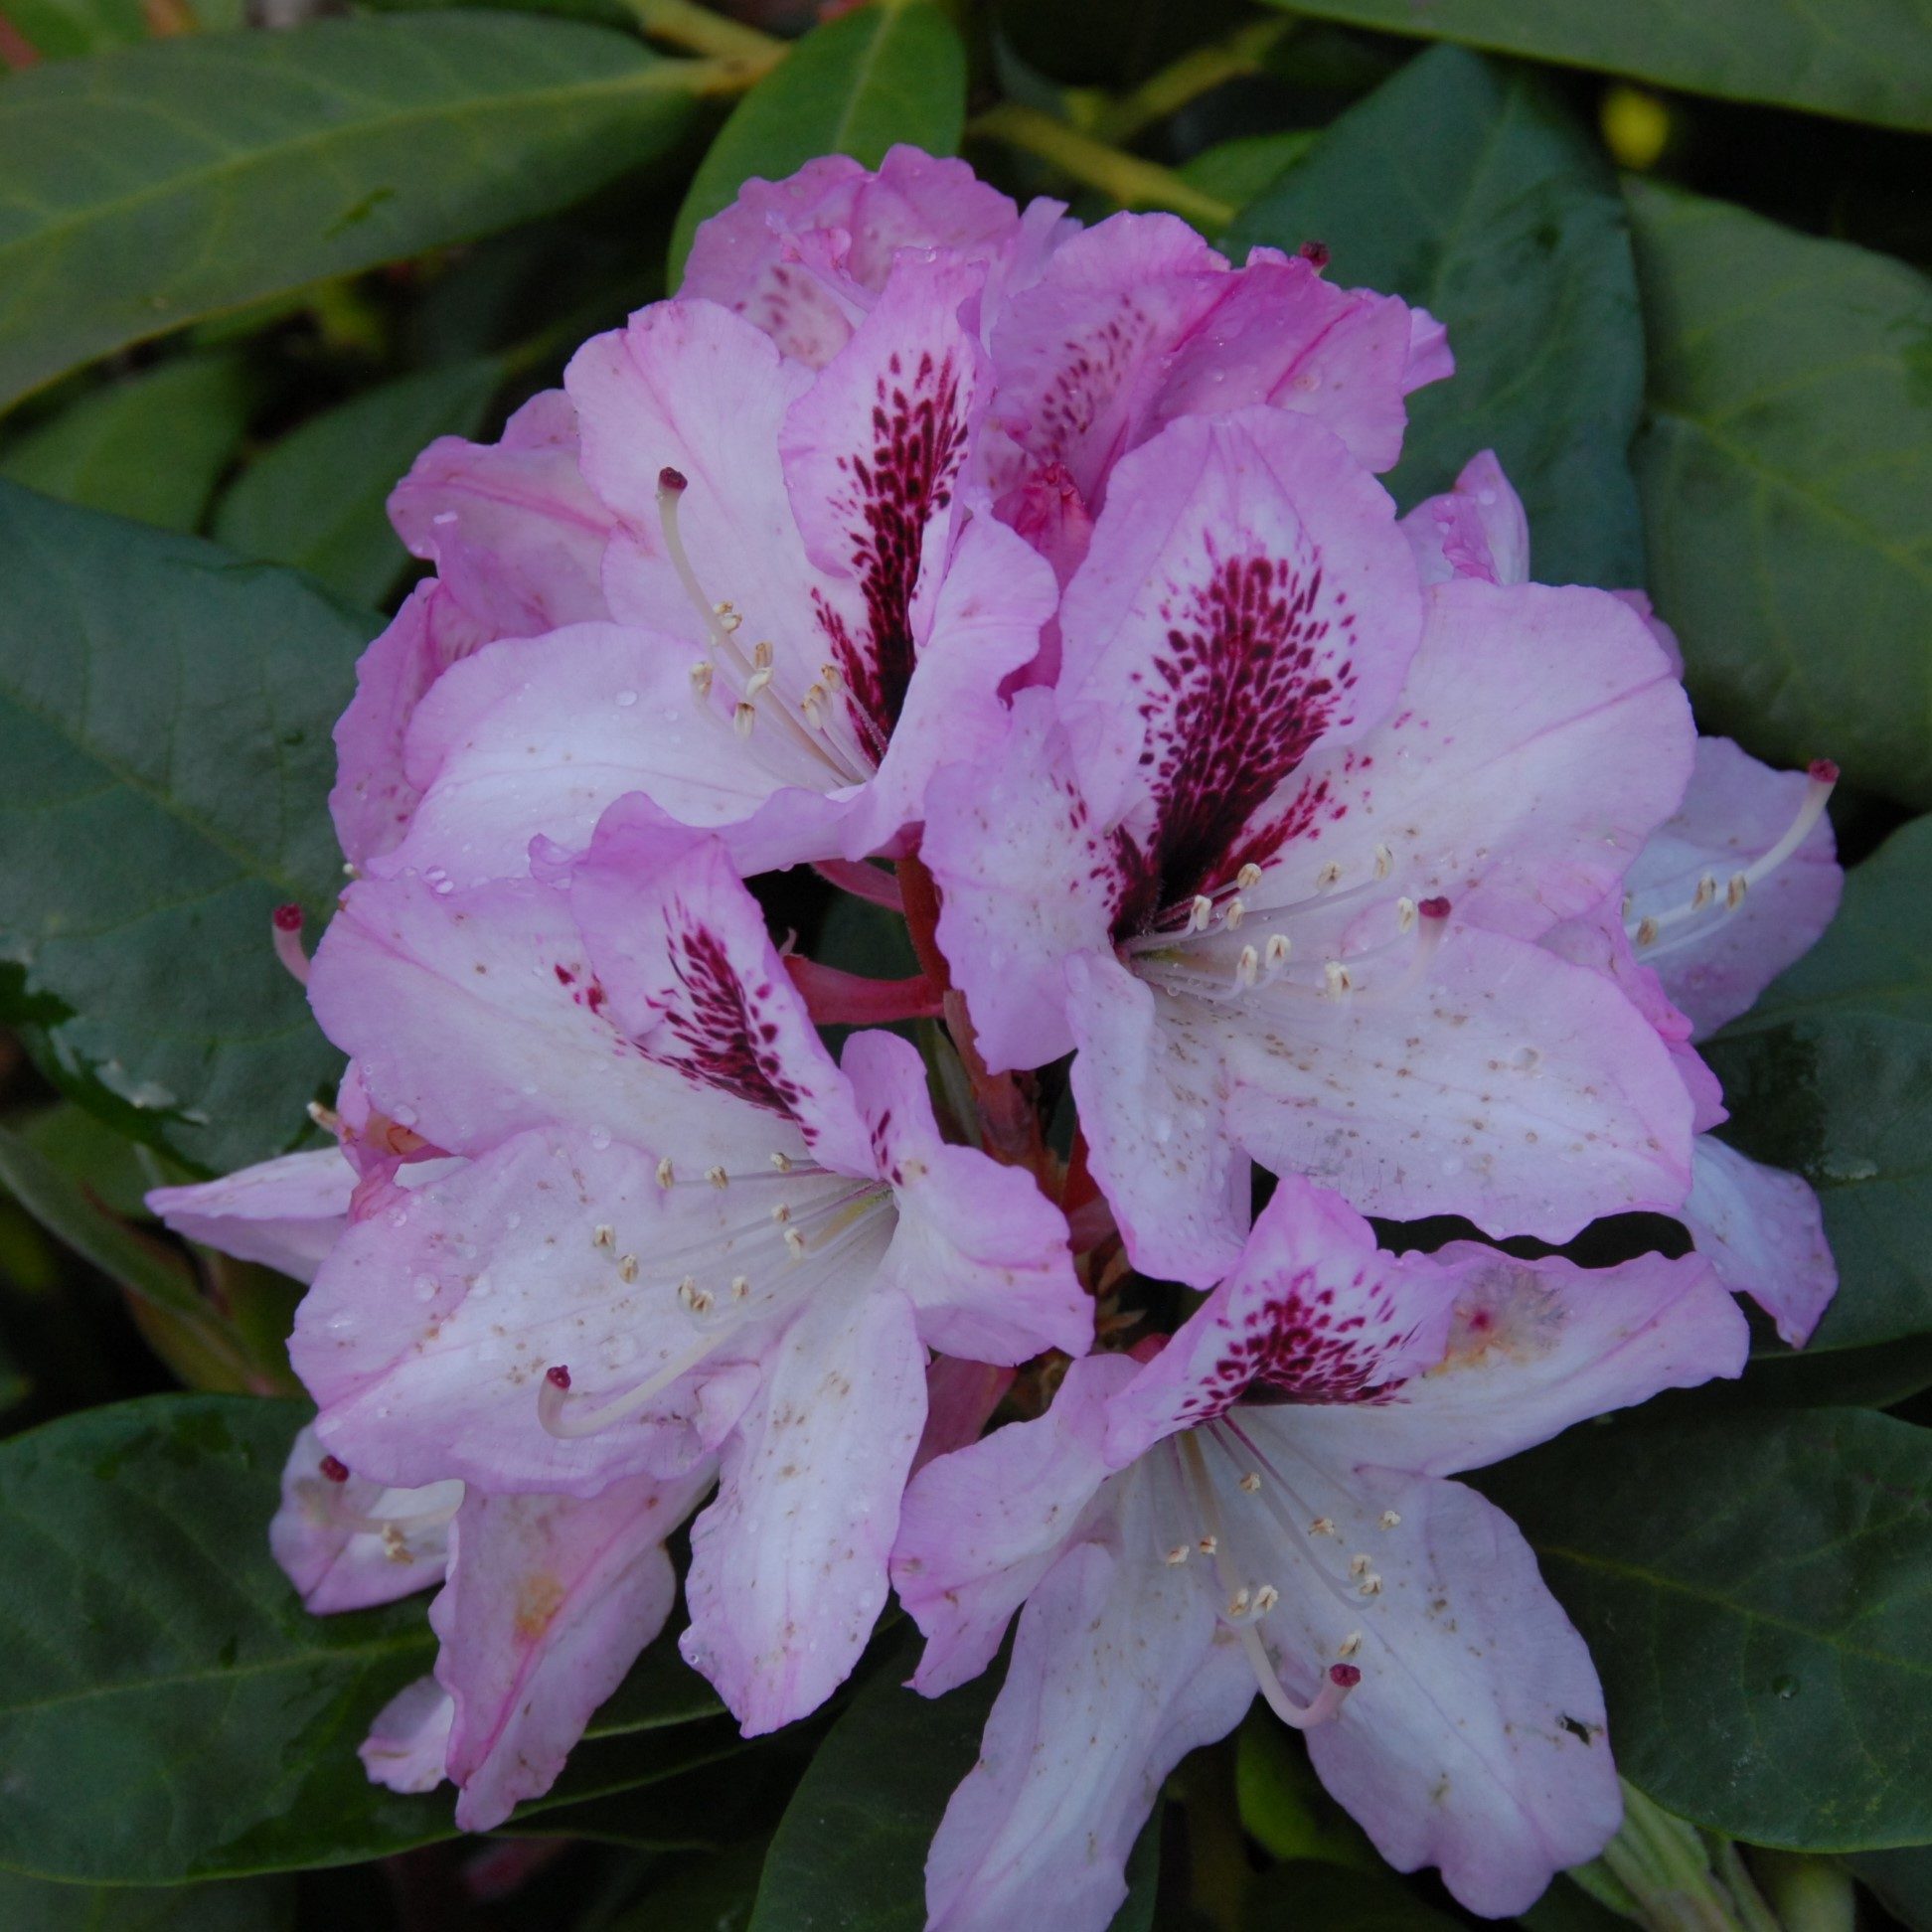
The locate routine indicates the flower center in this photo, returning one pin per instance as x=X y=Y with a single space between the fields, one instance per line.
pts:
x=1271 y=1510
x=753 y=1265
x=1223 y=946
x=811 y=725
x=1714 y=902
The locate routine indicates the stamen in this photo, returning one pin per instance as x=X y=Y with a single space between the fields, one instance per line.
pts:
x=1322 y=1527
x=743 y=718
x=1358 y=1565
x=701 y=678
x=1248 y=877
x=325 y=1118
x=1384 y=862
x=666 y=1173
x=286 y=929
x=1277 y=952
x=794 y=1244
x=1177 y=1554
x=1235 y=914
x=334 y=1468
x=1340 y=1679
x=1388 y=1520
x=782 y=1162
x=564 y=1416
x=1330 y=875
x=762 y=654
x=1248 y=969
x=1208 y=1545
x=740 y=1287
x=1200 y=914
x=1351 y=1644
x=1338 y=978
x=1251 y=1481
x=717 y=1177
x=627 y=1268
x=1371 y=1585
x=1404 y=916
x=603 y=1235
x=757 y=682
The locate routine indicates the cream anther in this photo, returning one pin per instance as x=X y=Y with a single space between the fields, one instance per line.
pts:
x=1200 y=914
x=1322 y=1527
x=1237 y=1604
x=717 y=1177
x=666 y=1173
x=1330 y=875
x=1646 y=930
x=1235 y=914
x=1265 y=1599
x=1404 y=916
x=762 y=654
x=782 y=1214
x=1208 y=1545
x=1735 y=891
x=794 y=1244
x=1371 y=1585
x=1706 y=892
x=603 y=1235
x=1388 y=1520
x=782 y=1162
x=1336 y=979
x=1248 y=969
x=1251 y=1481
x=740 y=1287
x=701 y=678
x=1384 y=862
x=689 y=1292
x=1177 y=1554
x=756 y=683
x=1248 y=879
x=1358 y=1565
x=1349 y=1644
x=627 y=1267
x=743 y=718
x=727 y=617
x=1275 y=953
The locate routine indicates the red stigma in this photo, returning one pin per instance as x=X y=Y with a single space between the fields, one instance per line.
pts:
x=335 y=1469
x=1344 y=1677
x=671 y=479
x=1434 y=908
x=558 y=1378
x=1822 y=771
x=1316 y=254
x=288 y=919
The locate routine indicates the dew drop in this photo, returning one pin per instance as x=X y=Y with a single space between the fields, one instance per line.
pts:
x=1784 y=1687
x=599 y=1140
x=627 y=699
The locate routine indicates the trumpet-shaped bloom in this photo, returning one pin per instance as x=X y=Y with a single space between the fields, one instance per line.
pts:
x=680 y=1230
x=808 y=616
x=1273 y=854
x=1263 y=1506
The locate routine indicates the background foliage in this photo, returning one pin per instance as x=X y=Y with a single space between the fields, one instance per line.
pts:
x=254 y=256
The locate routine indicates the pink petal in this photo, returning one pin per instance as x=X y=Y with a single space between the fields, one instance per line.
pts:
x=788 y=1565
x=1763 y=1234
x=284 y=1213
x=1714 y=965
x=1534 y=1347
x=550 y=1601
x=348 y=1543
x=405 y=1746
x=1476 y=529
x=514 y=531
x=980 y=1528
x=1026 y=879
x=979 y=1250
x=1118 y=1670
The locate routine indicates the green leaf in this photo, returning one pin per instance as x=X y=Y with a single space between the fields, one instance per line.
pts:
x=1831 y=1074
x=1463 y=187
x=114 y=1171
x=1866 y=60
x=1237 y=171
x=57 y=30
x=849 y=1851
x=1786 y=471
x=169 y=1710
x=1757 y=1593
x=141 y=1266
x=249 y=1905
x=151 y=446
x=1903 y=1881
x=152 y=186
x=316 y=498
x=1566 y=1907
x=891 y=71
x=164 y=763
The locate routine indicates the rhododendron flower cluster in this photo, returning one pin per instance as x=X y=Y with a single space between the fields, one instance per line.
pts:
x=1036 y=585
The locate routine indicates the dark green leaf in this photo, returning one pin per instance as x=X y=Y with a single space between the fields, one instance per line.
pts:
x=316 y=498
x=138 y=1264
x=1284 y=1805
x=1903 y=1879
x=891 y=72
x=1786 y=470
x=167 y=1707
x=151 y=446
x=57 y=30
x=151 y=185
x=1237 y=171
x=1465 y=188
x=164 y=760
x=1304 y=1896
x=115 y=1171
x=849 y=1853
x=1831 y=1074
x=1864 y=58
x=1877 y=1376
x=249 y=1905
x=1757 y=1593
x=1566 y=1908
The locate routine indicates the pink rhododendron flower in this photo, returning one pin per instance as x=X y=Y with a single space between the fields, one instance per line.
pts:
x=680 y=1230
x=810 y=615
x=1738 y=884
x=1274 y=852
x=1263 y=1506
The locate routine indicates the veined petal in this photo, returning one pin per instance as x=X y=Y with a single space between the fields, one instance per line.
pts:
x=286 y=1214
x=513 y=529
x=1761 y=1230
x=979 y=1250
x=1246 y=599
x=346 y=1542
x=691 y=977
x=1153 y=1097
x=1534 y=1347
x=1541 y=738
x=1119 y=1670
x=788 y=1565
x=549 y=1603
x=1510 y=1086
x=1027 y=878
x=981 y=1526
x=1313 y=1313
x=1715 y=963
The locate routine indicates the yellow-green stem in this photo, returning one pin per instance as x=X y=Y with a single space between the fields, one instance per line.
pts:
x=682 y=23
x=1194 y=74
x=1130 y=181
